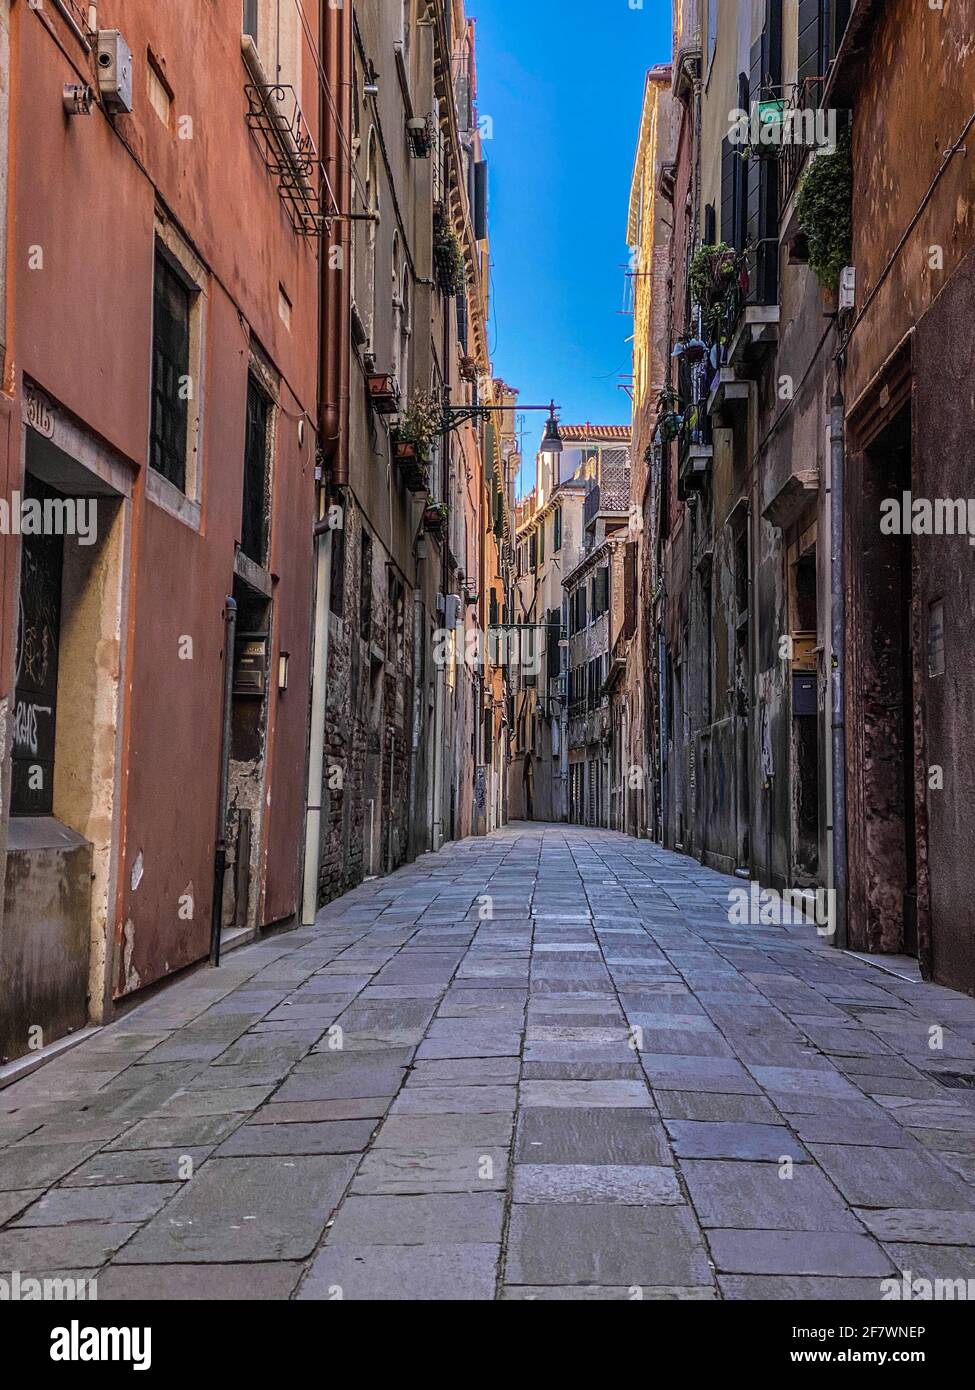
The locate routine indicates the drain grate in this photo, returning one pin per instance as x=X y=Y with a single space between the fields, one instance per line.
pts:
x=954 y=1080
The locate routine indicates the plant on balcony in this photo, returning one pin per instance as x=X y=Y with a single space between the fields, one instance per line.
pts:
x=419 y=426
x=824 y=210
x=383 y=392
x=448 y=255
x=669 y=420
x=718 y=280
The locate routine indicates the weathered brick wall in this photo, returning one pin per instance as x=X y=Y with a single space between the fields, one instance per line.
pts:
x=360 y=733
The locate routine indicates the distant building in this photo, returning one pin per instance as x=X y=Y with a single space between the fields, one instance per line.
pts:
x=577 y=493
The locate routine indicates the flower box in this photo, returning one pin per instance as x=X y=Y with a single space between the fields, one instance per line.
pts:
x=383 y=392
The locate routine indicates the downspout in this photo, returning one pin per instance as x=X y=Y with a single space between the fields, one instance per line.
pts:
x=838 y=664
x=663 y=716
x=316 y=740
x=334 y=309
x=418 y=689
x=220 y=853
x=335 y=314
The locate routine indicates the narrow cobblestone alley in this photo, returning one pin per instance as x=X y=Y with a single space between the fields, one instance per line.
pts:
x=432 y=1094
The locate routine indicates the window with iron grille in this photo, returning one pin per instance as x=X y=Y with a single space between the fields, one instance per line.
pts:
x=171 y=305
x=255 y=520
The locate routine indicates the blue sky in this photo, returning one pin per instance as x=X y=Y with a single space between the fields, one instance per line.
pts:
x=562 y=84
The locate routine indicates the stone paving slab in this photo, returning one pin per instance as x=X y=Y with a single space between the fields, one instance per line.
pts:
x=479 y=1124
x=798 y=1252
x=745 y=1195
x=407 y=1273
x=581 y=1182
x=605 y=1243
x=245 y=1209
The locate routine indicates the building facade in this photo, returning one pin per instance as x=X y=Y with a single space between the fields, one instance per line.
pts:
x=580 y=488
x=803 y=553
x=243 y=429
x=906 y=402
x=159 y=446
x=649 y=229
x=403 y=590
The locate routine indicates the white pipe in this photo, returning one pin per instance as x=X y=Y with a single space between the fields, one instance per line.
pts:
x=72 y=24
x=316 y=742
x=438 y=757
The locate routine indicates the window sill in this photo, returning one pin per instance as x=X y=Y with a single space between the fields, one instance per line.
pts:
x=253 y=574
x=168 y=496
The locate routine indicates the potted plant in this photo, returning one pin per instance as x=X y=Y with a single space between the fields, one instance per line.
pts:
x=718 y=281
x=435 y=516
x=824 y=210
x=715 y=271
x=418 y=427
x=383 y=392
x=669 y=419
x=448 y=255
x=691 y=348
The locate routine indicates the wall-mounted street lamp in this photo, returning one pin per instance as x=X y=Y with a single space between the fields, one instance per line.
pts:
x=455 y=415
x=551 y=439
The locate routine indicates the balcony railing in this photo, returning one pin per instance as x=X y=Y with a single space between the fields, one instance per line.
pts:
x=763 y=285
x=802 y=102
x=692 y=386
x=288 y=151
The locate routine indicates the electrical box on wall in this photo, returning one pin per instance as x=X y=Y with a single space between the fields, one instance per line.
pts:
x=114 y=70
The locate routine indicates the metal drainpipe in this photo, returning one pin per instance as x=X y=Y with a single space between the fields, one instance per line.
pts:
x=316 y=736
x=663 y=696
x=838 y=671
x=418 y=689
x=220 y=854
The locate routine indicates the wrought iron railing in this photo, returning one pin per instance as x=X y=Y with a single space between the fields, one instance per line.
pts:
x=289 y=153
x=692 y=379
x=761 y=287
x=802 y=102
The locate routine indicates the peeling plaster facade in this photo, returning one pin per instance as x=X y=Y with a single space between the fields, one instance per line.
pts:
x=136 y=747
x=910 y=409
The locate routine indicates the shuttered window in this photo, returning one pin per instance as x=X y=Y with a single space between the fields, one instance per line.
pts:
x=811 y=44
x=762 y=175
